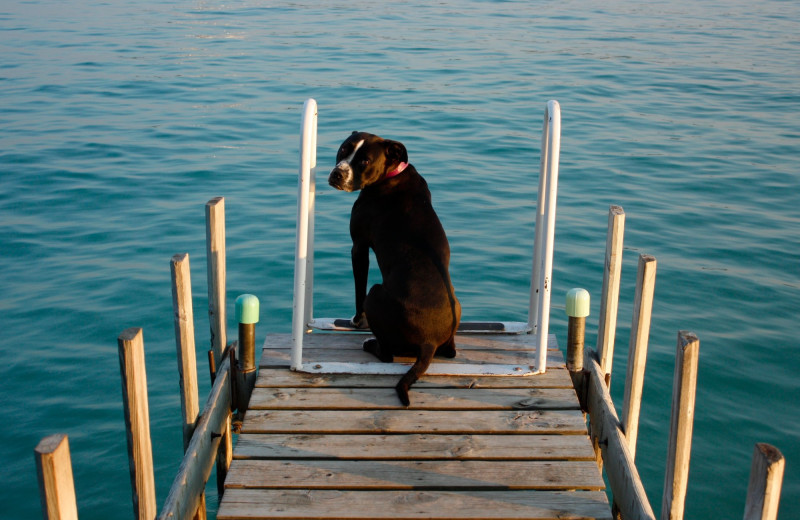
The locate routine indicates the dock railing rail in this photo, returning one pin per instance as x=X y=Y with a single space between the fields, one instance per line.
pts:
x=542 y=272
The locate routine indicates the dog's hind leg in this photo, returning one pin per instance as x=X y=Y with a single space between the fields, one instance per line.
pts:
x=417 y=369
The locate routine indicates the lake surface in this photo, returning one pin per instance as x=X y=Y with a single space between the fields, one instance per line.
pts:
x=119 y=120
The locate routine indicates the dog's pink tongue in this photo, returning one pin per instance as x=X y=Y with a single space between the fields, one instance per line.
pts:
x=397 y=171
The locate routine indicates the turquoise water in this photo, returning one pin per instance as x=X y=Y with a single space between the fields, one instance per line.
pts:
x=119 y=120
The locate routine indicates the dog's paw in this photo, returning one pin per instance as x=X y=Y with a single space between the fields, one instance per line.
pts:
x=402 y=393
x=373 y=347
x=448 y=351
x=359 y=321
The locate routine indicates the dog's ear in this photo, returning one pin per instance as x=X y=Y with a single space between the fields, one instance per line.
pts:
x=395 y=152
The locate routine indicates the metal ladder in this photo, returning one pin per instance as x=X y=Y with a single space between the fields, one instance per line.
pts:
x=541 y=279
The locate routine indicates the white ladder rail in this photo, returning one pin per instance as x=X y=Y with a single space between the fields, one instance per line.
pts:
x=302 y=308
x=544 y=235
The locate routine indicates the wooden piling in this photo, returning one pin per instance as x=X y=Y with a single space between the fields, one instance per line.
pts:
x=247 y=366
x=577 y=308
x=766 y=478
x=187 y=361
x=610 y=295
x=56 y=486
x=137 y=422
x=215 y=255
x=247 y=308
x=684 y=389
x=184 y=342
x=247 y=340
x=576 y=332
x=637 y=352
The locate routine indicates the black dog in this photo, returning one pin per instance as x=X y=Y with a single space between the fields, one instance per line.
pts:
x=414 y=311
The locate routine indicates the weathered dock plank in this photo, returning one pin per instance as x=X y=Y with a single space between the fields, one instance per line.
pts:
x=513 y=349
x=414 y=421
x=401 y=474
x=282 y=378
x=424 y=399
x=412 y=505
x=342 y=341
x=414 y=447
x=280 y=357
x=342 y=446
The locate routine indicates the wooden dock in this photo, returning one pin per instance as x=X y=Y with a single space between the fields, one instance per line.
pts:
x=324 y=446
x=342 y=446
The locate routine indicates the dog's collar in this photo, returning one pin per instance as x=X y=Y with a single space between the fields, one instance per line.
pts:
x=397 y=171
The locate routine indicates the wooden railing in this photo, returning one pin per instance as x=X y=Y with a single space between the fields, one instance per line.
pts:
x=615 y=439
x=185 y=495
x=207 y=435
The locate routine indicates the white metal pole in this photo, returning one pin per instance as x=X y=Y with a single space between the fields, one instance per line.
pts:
x=538 y=237
x=301 y=251
x=312 y=191
x=539 y=315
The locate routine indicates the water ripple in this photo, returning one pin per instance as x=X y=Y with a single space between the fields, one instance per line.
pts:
x=118 y=127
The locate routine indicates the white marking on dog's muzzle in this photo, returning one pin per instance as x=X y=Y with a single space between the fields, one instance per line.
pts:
x=353 y=154
x=344 y=165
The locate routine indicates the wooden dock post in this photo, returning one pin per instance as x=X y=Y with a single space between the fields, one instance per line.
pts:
x=187 y=360
x=612 y=268
x=184 y=342
x=637 y=351
x=137 y=422
x=684 y=389
x=247 y=317
x=56 y=486
x=215 y=257
x=577 y=309
x=766 y=478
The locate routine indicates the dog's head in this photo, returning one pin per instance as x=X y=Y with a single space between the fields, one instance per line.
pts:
x=365 y=159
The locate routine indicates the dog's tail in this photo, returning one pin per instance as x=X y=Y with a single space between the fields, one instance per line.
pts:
x=419 y=367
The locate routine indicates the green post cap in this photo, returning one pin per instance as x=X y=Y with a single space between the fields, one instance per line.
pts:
x=577 y=303
x=247 y=309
